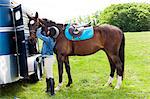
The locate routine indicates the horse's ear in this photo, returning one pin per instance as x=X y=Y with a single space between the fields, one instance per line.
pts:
x=28 y=15
x=36 y=15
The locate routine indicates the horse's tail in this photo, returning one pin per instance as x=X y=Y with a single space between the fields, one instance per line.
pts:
x=122 y=52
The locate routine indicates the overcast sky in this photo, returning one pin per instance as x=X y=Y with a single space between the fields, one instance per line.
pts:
x=62 y=10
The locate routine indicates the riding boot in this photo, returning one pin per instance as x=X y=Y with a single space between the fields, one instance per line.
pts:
x=50 y=86
x=47 y=85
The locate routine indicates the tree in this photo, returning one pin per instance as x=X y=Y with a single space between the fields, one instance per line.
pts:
x=128 y=17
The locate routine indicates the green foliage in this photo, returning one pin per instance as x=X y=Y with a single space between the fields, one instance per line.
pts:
x=90 y=73
x=128 y=17
x=92 y=19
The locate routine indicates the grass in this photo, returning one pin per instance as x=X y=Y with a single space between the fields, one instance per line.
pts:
x=90 y=73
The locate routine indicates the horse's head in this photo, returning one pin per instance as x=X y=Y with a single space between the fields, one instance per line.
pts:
x=33 y=24
x=47 y=25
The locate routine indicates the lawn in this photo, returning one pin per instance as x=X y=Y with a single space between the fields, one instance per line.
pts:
x=90 y=73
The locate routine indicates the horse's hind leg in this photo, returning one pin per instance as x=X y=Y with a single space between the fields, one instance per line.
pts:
x=112 y=67
x=116 y=60
x=67 y=66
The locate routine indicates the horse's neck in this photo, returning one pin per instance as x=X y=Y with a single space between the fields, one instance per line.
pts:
x=61 y=37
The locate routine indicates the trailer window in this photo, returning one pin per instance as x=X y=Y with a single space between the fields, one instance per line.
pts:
x=17 y=15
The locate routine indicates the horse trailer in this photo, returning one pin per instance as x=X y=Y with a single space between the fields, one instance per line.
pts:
x=15 y=60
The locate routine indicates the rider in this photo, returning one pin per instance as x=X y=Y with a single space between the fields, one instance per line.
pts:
x=48 y=54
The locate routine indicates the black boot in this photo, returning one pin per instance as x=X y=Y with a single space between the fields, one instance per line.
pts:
x=47 y=85
x=50 y=85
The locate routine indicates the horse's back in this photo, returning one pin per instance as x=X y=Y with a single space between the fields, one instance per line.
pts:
x=110 y=35
x=107 y=30
x=110 y=28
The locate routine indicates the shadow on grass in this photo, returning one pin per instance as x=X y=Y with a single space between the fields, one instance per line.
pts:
x=12 y=89
x=100 y=92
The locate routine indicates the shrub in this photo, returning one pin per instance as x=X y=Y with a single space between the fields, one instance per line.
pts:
x=129 y=17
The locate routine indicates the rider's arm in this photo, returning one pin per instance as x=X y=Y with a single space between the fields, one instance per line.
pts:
x=39 y=35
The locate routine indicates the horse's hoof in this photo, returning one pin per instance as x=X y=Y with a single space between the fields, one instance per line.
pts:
x=116 y=88
x=68 y=85
x=58 y=87
x=108 y=84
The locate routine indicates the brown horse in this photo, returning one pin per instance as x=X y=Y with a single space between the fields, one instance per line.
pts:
x=108 y=38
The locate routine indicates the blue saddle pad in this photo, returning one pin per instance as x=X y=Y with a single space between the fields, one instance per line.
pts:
x=86 y=34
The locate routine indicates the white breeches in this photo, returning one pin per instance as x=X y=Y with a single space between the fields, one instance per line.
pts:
x=49 y=61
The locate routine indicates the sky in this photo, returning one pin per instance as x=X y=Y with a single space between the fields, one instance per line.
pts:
x=62 y=10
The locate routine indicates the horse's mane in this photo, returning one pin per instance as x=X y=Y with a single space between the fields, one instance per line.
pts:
x=48 y=22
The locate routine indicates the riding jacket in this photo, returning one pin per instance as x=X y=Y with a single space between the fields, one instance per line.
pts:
x=48 y=43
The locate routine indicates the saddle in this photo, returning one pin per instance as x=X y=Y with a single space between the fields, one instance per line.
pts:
x=78 y=32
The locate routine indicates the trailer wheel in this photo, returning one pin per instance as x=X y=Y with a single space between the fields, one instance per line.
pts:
x=38 y=72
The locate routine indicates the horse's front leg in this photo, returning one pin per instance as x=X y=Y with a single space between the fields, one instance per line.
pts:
x=60 y=72
x=67 y=66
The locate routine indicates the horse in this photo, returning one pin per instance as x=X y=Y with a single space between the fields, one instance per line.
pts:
x=32 y=45
x=106 y=37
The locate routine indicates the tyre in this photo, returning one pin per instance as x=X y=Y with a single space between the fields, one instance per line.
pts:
x=38 y=72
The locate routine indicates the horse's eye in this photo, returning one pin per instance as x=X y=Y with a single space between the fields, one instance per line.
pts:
x=32 y=22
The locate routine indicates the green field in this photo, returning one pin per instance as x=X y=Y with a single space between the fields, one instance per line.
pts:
x=90 y=73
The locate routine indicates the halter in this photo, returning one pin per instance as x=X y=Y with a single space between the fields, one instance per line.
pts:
x=40 y=21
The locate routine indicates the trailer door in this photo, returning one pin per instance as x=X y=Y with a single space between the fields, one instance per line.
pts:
x=20 y=39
